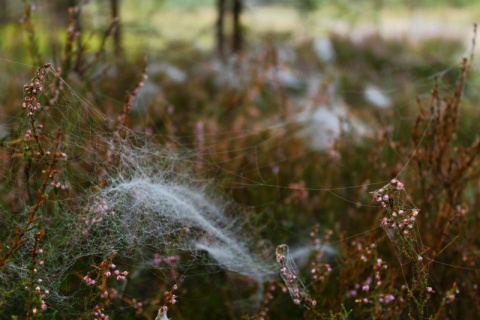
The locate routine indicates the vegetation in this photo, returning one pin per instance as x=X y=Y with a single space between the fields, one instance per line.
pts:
x=283 y=178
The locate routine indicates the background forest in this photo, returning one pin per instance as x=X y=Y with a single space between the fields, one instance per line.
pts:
x=239 y=159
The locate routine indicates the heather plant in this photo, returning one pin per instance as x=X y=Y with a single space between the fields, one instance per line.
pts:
x=143 y=203
x=213 y=198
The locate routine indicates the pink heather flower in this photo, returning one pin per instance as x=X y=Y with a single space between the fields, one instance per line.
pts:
x=430 y=290
x=450 y=298
x=389 y=298
x=384 y=222
x=44 y=306
x=291 y=278
x=275 y=170
x=420 y=258
x=386 y=197
x=108 y=274
x=366 y=288
x=112 y=266
x=170 y=259
x=296 y=301
x=157 y=260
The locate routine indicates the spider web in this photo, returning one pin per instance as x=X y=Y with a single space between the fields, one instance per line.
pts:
x=114 y=192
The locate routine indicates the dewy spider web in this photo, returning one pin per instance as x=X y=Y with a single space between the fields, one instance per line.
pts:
x=292 y=277
x=117 y=192
x=400 y=220
x=399 y=225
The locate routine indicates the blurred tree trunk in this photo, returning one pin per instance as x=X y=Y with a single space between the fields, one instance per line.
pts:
x=3 y=12
x=237 y=27
x=236 y=8
x=79 y=51
x=117 y=44
x=220 y=26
